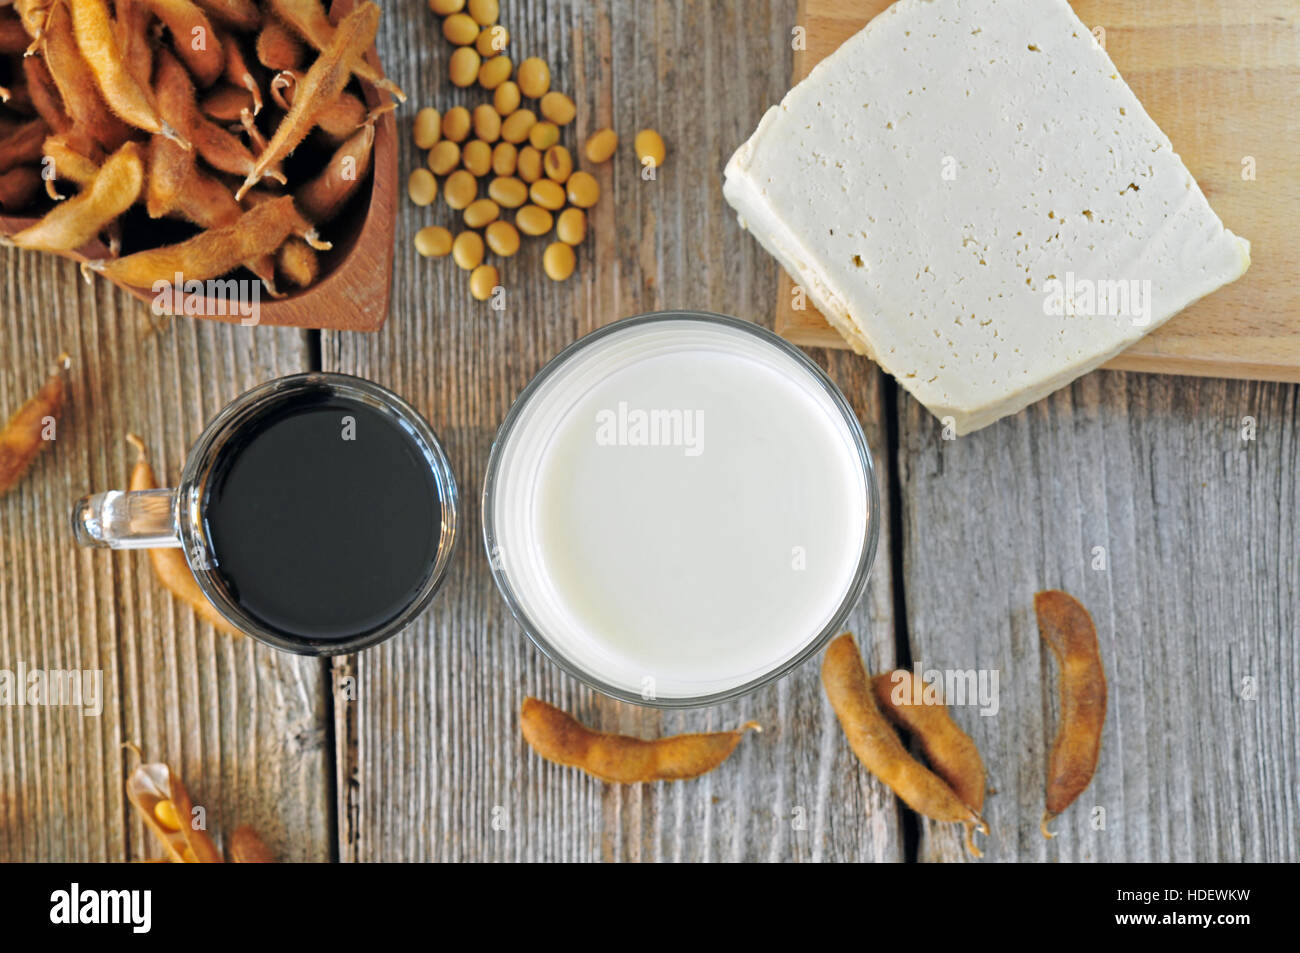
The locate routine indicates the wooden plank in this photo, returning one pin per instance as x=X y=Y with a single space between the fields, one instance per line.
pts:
x=1197 y=607
x=439 y=771
x=245 y=726
x=1218 y=77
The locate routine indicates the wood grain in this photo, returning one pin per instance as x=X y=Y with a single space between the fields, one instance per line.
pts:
x=245 y=726
x=1219 y=77
x=440 y=771
x=1197 y=607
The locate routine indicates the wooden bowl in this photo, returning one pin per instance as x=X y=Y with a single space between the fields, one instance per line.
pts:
x=353 y=291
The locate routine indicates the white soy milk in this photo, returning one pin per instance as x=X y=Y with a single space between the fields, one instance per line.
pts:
x=680 y=508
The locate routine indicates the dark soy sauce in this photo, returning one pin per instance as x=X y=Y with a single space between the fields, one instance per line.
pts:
x=324 y=517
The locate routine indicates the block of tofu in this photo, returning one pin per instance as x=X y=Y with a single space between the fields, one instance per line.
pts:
x=972 y=195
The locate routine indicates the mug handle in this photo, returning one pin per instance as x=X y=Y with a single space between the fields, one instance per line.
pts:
x=142 y=519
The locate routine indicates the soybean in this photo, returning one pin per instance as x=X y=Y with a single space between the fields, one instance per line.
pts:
x=487 y=123
x=433 y=241
x=508 y=191
x=505 y=157
x=534 y=77
x=534 y=220
x=460 y=189
x=467 y=250
x=529 y=164
x=1068 y=630
x=492 y=40
x=481 y=212
x=444 y=157
x=460 y=29
x=505 y=98
x=650 y=148
x=558 y=108
x=456 y=124
x=422 y=187
x=517 y=125
x=543 y=135
x=484 y=280
x=444 y=8
x=502 y=238
x=583 y=189
x=547 y=194
x=877 y=745
x=463 y=67
x=494 y=72
x=558 y=164
x=427 y=128
x=601 y=145
x=558 y=261
x=571 y=226
x=477 y=157
x=484 y=12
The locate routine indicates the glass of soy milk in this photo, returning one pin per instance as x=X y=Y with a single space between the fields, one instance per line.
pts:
x=679 y=508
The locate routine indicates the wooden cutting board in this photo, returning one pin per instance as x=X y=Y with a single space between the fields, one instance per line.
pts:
x=1222 y=79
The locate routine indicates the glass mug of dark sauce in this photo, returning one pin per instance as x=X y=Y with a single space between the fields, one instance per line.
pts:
x=317 y=513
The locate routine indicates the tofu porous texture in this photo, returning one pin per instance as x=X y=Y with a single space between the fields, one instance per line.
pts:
x=973 y=196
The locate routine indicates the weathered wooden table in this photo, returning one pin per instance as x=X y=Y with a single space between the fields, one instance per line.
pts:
x=1197 y=599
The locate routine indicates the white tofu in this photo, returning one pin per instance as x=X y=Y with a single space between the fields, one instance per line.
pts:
x=952 y=186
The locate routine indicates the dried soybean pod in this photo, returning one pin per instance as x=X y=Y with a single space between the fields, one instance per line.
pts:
x=949 y=750
x=13 y=37
x=226 y=103
x=337 y=121
x=18 y=187
x=33 y=426
x=308 y=19
x=620 y=759
x=133 y=27
x=208 y=203
x=236 y=14
x=170 y=167
x=45 y=95
x=297 y=261
x=324 y=196
x=169 y=565
x=163 y=803
x=92 y=28
x=75 y=222
x=76 y=83
x=74 y=158
x=278 y=48
x=1068 y=630
x=177 y=105
x=237 y=72
x=876 y=744
x=193 y=38
x=318 y=89
x=246 y=847
x=23 y=144
x=210 y=254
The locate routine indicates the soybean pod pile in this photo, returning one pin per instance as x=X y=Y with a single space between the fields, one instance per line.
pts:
x=513 y=140
x=199 y=138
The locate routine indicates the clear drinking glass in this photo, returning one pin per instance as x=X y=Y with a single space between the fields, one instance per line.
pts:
x=174 y=518
x=531 y=420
